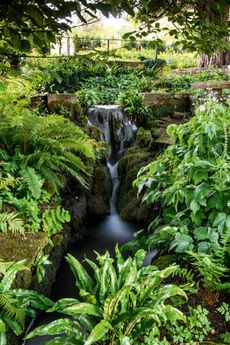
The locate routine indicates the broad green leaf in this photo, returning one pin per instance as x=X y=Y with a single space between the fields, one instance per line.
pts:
x=32 y=299
x=56 y=327
x=82 y=308
x=194 y=206
x=65 y=340
x=62 y=304
x=83 y=280
x=89 y=298
x=182 y=243
x=99 y=331
x=2 y=326
x=3 y=338
x=8 y=278
x=139 y=257
x=112 y=302
x=119 y=258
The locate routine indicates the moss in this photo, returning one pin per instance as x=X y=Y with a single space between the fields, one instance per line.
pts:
x=16 y=247
x=144 y=138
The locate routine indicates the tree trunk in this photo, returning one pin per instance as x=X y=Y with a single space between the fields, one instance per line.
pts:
x=221 y=58
x=218 y=60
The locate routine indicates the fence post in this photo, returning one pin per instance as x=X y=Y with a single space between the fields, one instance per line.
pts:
x=60 y=46
x=68 y=45
x=108 y=46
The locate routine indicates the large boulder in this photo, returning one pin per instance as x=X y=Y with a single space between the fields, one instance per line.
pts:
x=130 y=206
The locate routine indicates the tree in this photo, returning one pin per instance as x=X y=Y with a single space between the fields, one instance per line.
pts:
x=201 y=25
x=35 y=23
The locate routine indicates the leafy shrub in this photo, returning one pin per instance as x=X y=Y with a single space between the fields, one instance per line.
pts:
x=87 y=97
x=133 y=103
x=190 y=183
x=124 y=302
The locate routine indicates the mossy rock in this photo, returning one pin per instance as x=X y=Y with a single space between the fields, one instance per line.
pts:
x=16 y=247
x=144 y=138
x=98 y=199
x=129 y=205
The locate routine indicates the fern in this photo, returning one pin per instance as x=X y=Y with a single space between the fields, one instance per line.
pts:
x=33 y=181
x=10 y=222
x=53 y=218
x=210 y=269
x=9 y=307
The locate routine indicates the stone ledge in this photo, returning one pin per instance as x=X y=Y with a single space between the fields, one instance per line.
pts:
x=157 y=98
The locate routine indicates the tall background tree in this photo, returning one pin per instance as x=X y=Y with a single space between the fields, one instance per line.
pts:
x=200 y=25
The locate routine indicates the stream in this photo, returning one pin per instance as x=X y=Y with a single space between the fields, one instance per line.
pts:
x=107 y=233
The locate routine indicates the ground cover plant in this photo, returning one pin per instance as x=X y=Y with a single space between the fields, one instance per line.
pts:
x=124 y=302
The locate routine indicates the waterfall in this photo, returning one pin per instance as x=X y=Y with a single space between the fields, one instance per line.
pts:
x=119 y=132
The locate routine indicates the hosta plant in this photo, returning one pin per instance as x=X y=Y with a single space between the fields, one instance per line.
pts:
x=16 y=304
x=122 y=304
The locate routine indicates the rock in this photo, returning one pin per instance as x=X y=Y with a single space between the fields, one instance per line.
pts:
x=16 y=247
x=214 y=85
x=99 y=197
x=129 y=205
x=61 y=102
x=144 y=138
x=176 y=101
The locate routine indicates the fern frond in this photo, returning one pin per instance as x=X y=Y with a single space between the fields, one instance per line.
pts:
x=33 y=181
x=10 y=308
x=10 y=221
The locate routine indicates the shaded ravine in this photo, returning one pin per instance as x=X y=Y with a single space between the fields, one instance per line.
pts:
x=102 y=236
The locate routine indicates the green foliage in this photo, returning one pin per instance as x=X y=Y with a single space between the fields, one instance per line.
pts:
x=224 y=310
x=53 y=218
x=190 y=182
x=182 y=83
x=195 y=329
x=25 y=26
x=40 y=262
x=10 y=222
x=15 y=305
x=123 y=303
x=87 y=97
x=34 y=163
x=133 y=103
x=210 y=269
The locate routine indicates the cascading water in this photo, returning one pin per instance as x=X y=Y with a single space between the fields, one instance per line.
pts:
x=119 y=132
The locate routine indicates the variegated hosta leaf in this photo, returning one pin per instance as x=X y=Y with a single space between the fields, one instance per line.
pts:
x=62 y=304
x=65 y=340
x=112 y=302
x=139 y=257
x=168 y=291
x=56 y=327
x=99 y=331
x=82 y=308
x=83 y=280
x=8 y=278
x=3 y=339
